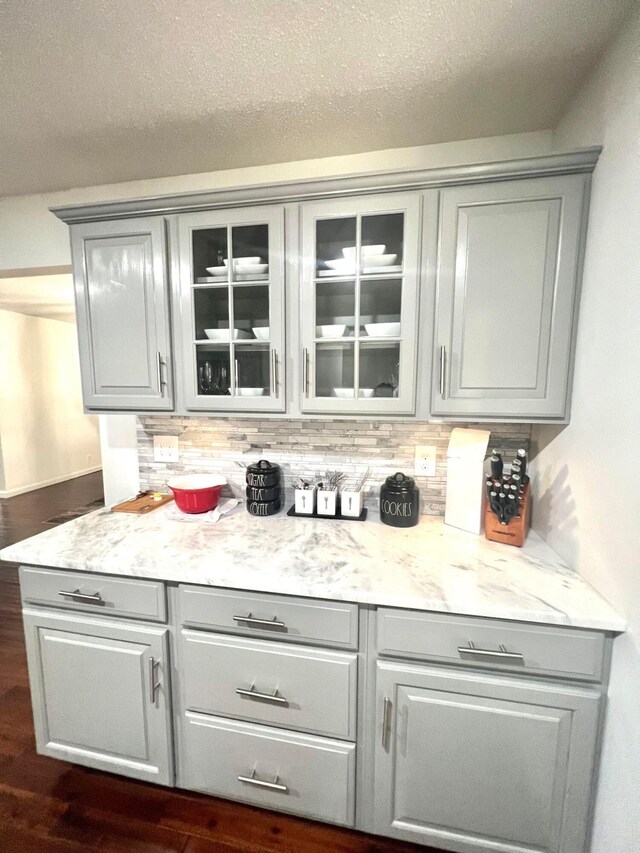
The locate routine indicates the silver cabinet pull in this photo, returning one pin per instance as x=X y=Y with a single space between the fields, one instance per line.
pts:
x=154 y=685
x=274 y=372
x=491 y=655
x=253 y=620
x=236 y=373
x=89 y=597
x=386 y=721
x=267 y=697
x=263 y=783
x=161 y=381
x=305 y=372
x=443 y=362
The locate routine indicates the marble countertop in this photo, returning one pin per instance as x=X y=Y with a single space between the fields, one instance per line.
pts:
x=428 y=567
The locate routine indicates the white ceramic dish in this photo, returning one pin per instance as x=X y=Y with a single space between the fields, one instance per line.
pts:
x=241 y=262
x=334 y=273
x=382 y=330
x=261 y=332
x=342 y=266
x=343 y=393
x=250 y=269
x=379 y=260
x=196 y=481
x=250 y=392
x=365 y=392
x=377 y=249
x=391 y=270
x=223 y=336
x=217 y=270
x=335 y=331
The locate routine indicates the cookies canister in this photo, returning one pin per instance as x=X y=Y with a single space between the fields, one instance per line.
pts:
x=399 y=501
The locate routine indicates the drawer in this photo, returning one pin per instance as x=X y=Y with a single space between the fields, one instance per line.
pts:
x=283 y=685
x=328 y=623
x=542 y=650
x=106 y=596
x=268 y=767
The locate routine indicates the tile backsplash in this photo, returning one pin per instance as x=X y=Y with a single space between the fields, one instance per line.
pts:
x=308 y=448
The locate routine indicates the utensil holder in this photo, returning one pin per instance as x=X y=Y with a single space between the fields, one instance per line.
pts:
x=515 y=532
x=305 y=501
x=351 y=503
x=327 y=501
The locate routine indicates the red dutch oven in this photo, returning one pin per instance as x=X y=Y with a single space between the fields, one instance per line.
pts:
x=197 y=492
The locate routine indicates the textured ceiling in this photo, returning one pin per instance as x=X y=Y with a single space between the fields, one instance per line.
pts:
x=100 y=91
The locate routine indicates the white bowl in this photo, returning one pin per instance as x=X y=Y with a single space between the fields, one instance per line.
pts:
x=196 y=481
x=261 y=332
x=365 y=251
x=330 y=331
x=365 y=392
x=223 y=335
x=343 y=393
x=217 y=270
x=382 y=330
x=342 y=266
x=241 y=262
x=250 y=269
x=379 y=260
x=250 y=392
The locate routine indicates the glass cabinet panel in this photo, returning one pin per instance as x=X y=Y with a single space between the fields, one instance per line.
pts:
x=232 y=308
x=359 y=304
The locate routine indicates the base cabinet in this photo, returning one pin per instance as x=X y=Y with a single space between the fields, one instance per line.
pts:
x=470 y=762
x=100 y=694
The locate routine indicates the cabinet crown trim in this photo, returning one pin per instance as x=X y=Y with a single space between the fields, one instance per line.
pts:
x=573 y=162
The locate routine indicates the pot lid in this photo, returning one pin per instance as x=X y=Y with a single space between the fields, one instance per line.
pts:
x=263 y=467
x=399 y=482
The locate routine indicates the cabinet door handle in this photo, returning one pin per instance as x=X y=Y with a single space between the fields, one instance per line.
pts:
x=154 y=685
x=386 y=721
x=263 y=783
x=89 y=597
x=161 y=381
x=267 y=697
x=274 y=372
x=491 y=655
x=443 y=363
x=253 y=620
x=305 y=372
x=236 y=374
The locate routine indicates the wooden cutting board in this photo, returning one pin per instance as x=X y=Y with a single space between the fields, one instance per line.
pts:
x=141 y=504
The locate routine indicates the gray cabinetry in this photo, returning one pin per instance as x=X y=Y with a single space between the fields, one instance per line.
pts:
x=100 y=693
x=230 y=309
x=507 y=281
x=468 y=762
x=123 y=315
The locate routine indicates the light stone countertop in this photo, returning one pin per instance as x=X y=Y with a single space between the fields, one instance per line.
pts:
x=428 y=567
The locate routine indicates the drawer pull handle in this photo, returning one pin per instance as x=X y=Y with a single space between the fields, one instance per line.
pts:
x=386 y=721
x=263 y=783
x=91 y=598
x=253 y=620
x=154 y=686
x=268 y=697
x=471 y=653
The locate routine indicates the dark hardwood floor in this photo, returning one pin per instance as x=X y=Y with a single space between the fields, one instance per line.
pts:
x=48 y=806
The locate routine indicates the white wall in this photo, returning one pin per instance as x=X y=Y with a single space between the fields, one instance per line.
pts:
x=587 y=476
x=46 y=437
x=31 y=236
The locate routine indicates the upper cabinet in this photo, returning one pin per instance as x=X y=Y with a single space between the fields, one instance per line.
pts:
x=506 y=293
x=359 y=301
x=230 y=309
x=122 y=314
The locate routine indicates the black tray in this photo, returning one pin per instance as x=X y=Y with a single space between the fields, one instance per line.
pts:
x=362 y=517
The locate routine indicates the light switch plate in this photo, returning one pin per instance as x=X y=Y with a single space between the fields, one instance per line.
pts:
x=425 y=464
x=165 y=448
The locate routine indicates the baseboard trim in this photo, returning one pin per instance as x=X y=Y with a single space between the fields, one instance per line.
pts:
x=10 y=493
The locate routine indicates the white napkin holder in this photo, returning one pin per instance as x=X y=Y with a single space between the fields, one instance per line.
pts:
x=465 y=479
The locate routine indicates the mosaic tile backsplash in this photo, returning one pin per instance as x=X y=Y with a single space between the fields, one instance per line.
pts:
x=309 y=448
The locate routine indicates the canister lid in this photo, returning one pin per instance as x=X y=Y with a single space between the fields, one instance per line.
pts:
x=263 y=467
x=400 y=483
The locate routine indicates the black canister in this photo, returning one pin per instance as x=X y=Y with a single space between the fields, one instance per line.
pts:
x=399 y=501
x=263 y=475
x=263 y=508
x=256 y=494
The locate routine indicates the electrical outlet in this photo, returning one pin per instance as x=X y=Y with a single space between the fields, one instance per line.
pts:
x=425 y=465
x=165 y=448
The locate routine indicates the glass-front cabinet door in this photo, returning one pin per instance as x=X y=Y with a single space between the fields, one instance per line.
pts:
x=359 y=305
x=231 y=310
